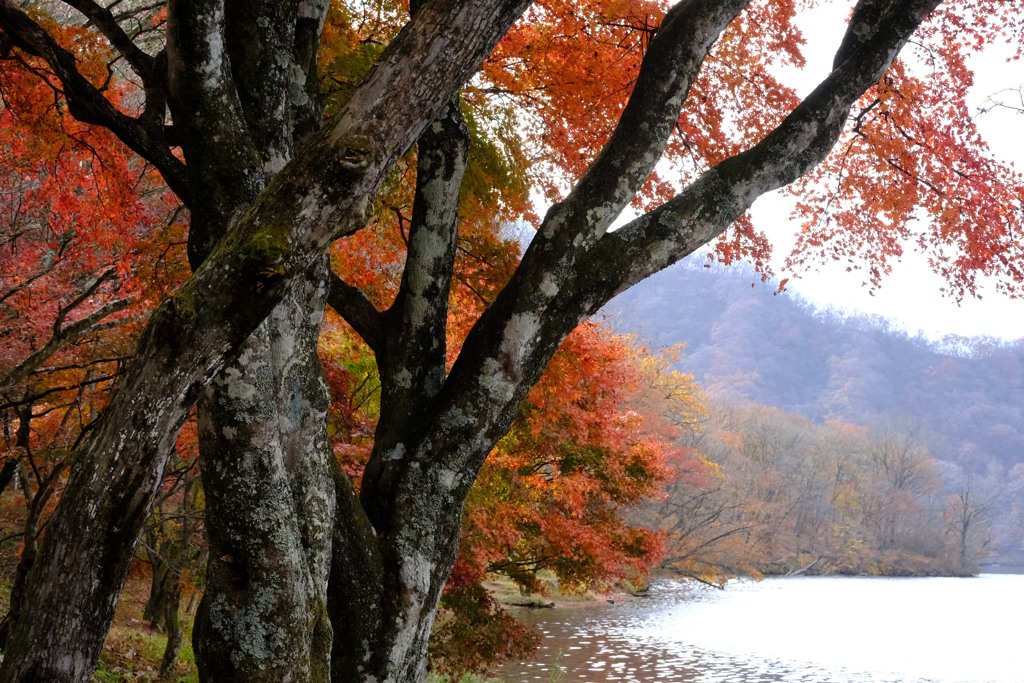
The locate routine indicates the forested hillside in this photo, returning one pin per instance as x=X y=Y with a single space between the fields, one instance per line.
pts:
x=964 y=397
x=960 y=399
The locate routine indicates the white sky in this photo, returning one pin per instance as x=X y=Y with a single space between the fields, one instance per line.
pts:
x=911 y=295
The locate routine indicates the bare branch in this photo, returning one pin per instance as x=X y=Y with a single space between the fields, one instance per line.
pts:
x=358 y=311
x=96 y=283
x=32 y=398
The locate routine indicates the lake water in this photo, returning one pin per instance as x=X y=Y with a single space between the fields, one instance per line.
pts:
x=808 y=629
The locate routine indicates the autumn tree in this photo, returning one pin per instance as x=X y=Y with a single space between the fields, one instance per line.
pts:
x=594 y=436
x=589 y=444
x=967 y=510
x=790 y=496
x=308 y=580
x=904 y=471
x=78 y=271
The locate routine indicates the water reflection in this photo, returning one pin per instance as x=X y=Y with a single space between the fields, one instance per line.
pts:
x=815 y=630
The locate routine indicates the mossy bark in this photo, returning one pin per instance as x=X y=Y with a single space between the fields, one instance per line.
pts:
x=270 y=496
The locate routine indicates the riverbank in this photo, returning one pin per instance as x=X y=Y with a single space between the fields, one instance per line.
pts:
x=507 y=593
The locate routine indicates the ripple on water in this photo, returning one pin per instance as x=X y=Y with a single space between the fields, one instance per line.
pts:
x=835 y=630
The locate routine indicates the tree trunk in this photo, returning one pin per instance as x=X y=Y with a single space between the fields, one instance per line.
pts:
x=10 y=466
x=171 y=619
x=45 y=488
x=159 y=549
x=156 y=604
x=385 y=591
x=395 y=545
x=265 y=465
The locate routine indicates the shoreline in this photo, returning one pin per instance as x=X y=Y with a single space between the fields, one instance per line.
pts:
x=506 y=593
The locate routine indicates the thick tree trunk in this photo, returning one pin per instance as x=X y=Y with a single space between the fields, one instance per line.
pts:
x=395 y=547
x=270 y=496
x=384 y=591
x=71 y=589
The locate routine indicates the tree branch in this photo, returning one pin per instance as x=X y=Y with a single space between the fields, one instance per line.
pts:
x=62 y=335
x=62 y=314
x=358 y=311
x=260 y=40
x=141 y=63
x=550 y=293
x=222 y=156
x=308 y=29
x=669 y=67
x=710 y=204
x=85 y=102
x=512 y=342
x=420 y=311
x=32 y=398
x=61 y=338
x=413 y=360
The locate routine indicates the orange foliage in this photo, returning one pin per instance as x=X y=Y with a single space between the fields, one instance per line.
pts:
x=553 y=493
x=592 y=438
x=88 y=242
x=914 y=135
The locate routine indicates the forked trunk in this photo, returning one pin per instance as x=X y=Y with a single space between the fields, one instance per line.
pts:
x=384 y=591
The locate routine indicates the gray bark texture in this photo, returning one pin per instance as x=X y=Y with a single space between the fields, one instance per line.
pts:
x=308 y=580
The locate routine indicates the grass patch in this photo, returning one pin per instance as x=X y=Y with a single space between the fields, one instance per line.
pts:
x=132 y=653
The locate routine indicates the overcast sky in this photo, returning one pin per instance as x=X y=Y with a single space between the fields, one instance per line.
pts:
x=911 y=295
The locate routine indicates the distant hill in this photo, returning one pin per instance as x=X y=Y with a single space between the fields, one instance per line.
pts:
x=965 y=397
